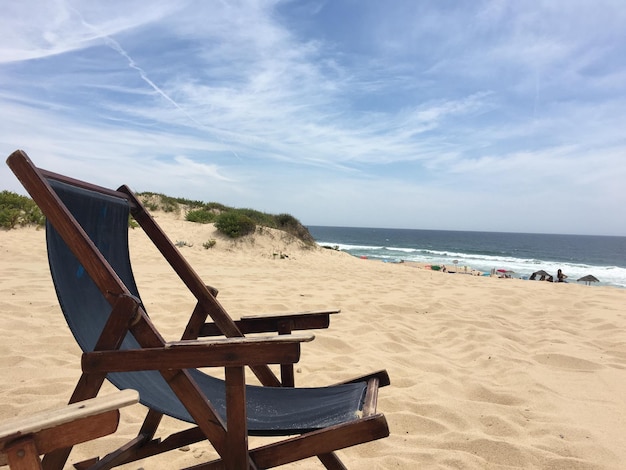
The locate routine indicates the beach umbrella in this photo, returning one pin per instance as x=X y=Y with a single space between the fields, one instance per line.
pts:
x=588 y=279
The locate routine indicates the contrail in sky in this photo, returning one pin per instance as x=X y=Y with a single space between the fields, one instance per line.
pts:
x=116 y=46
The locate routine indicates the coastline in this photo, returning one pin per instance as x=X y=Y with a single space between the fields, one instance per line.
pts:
x=485 y=372
x=604 y=257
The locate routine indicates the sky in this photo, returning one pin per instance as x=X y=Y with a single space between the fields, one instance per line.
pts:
x=454 y=115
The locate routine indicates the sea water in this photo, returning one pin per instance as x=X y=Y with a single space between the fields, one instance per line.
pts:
x=520 y=253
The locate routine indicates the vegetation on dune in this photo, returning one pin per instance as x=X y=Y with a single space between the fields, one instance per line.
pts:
x=230 y=221
x=158 y=201
x=16 y=210
x=235 y=224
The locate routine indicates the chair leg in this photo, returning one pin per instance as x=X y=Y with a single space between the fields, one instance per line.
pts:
x=331 y=461
x=23 y=455
x=236 y=456
x=115 y=458
x=56 y=459
x=150 y=424
x=286 y=370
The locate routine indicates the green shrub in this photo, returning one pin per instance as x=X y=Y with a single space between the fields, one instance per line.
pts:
x=18 y=210
x=234 y=224
x=166 y=203
x=288 y=223
x=202 y=216
x=216 y=207
x=260 y=218
x=209 y=244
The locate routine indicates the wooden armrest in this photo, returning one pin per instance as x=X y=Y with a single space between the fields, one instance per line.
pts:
x=225 y=352
x=23 y=439
x=51 y=418
x=281 y=323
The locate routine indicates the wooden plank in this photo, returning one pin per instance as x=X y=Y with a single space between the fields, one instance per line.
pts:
x=195 y=323
x=243 y=341
x=23 y=455
x=331 y=461
x=302 y=314
x=229 y=352
x=199 y=407
x=84 y=185
x=321 y=442
x=62 y=436
x=236 y=456
x=265 y=324
x=13 y=428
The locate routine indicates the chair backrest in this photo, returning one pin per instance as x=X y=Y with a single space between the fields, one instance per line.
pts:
x=105 y=219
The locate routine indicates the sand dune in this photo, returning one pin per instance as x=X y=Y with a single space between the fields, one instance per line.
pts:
x=486 y=373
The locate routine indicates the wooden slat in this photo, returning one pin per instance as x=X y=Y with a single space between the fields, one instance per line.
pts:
x=221 y=353
x=84 y=185
x=77 y=431
x=22 y=455
x=199 y=407
x=236 y=421
x=331 y=461
x=116 y=457
x=195 y=323
x=265 y=324
x=242 y=341
x=321 y=442
x=302 y=314
x=13 y=428
x=23 y=452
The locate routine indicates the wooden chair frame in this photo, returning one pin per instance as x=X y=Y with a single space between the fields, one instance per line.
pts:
x=172 y=359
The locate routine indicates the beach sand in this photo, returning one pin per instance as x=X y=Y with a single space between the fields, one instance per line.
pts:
x=486 y=373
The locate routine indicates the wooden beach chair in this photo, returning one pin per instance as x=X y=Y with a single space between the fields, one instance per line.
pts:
x=87 y=237
x=24 y=439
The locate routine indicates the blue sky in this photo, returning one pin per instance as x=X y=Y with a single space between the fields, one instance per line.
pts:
x=481 y=115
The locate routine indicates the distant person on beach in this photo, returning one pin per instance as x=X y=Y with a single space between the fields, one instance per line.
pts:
x=560 y=277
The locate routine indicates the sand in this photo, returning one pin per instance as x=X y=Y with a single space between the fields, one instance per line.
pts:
x=486 y=373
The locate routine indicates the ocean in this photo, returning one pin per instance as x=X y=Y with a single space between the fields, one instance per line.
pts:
x=522 y=253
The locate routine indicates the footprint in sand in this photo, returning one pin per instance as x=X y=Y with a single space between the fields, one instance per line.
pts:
x=562 y=361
